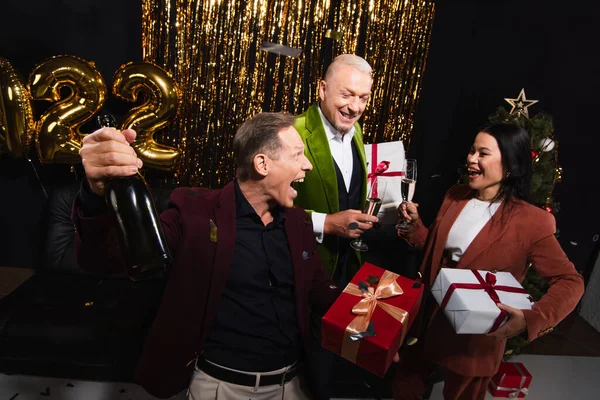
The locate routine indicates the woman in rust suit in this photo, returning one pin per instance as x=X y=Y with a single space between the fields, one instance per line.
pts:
x=487 y=225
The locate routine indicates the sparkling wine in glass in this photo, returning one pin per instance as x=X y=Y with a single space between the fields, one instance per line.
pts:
x=372 y=206
x=407 y=188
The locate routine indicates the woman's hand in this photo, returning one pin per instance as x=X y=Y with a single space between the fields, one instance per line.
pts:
x=514 y=326
x=409 y=212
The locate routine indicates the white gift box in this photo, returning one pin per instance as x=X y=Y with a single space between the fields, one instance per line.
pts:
x=472 y=310
x=394 y=153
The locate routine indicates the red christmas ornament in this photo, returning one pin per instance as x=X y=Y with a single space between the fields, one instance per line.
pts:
x=549 y=209
x=533 y=154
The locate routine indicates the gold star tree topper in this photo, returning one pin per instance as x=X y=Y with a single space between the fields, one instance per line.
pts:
x=520 y=104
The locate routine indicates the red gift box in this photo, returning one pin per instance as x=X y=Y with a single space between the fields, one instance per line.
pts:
x=386 y=308
x=512 y=380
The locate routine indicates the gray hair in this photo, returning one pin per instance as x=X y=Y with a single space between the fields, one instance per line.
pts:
x=349 y=60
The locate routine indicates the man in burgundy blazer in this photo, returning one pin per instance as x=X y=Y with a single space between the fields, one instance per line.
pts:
x=511 y=241
x=202 y=261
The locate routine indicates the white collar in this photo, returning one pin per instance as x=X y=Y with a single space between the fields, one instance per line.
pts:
x=330 y=130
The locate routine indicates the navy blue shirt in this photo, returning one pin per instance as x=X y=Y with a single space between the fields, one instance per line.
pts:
x=255 y=326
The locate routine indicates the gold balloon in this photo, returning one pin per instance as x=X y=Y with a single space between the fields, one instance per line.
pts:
x=58 y=138
x=16 y=118
x=161 y=99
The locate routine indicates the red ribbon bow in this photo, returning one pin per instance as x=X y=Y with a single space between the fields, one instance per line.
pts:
x=489 y=285
x=379 y=169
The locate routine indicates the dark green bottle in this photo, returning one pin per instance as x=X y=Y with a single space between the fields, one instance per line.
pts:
x=138 y=224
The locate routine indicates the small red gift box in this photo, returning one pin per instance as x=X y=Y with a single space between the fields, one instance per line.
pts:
x=368 y=322
x=512 y=380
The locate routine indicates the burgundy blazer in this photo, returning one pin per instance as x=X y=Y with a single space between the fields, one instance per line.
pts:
x=517 y=236
x=197 y=278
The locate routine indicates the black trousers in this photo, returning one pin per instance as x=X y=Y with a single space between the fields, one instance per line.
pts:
x=321 y=362
x=325 y=368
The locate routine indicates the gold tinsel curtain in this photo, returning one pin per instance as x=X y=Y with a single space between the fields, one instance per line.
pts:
x=213 y=50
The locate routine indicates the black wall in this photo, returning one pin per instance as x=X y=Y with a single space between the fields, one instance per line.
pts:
x=484 y=51
x=106 y=32
x=481 y=52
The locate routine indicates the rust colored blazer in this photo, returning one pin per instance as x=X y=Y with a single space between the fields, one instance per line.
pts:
x=198 y=276
x=517 y=235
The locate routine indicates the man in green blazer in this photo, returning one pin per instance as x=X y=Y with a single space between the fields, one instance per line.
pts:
x=334 y=191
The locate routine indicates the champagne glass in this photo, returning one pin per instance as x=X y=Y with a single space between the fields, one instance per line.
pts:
x=407 y=188
x=372 y=206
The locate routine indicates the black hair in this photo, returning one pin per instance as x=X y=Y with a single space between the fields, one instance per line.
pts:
x=515 y=149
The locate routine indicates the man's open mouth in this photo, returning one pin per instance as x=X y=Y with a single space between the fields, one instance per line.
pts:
x=296 y=181
x=348 y=116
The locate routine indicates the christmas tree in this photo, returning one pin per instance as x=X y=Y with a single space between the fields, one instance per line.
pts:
x=546 y=173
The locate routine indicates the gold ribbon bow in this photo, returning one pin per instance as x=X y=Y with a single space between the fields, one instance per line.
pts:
x=387 y=287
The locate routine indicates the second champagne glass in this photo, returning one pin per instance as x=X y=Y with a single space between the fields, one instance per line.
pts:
x=408 y=185
x=372 y=206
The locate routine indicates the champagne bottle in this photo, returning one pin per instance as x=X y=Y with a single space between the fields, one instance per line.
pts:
x=140 y=232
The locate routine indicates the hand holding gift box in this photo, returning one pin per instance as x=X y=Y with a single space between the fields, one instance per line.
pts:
x=368 y=322
x=386 y=160
x=512 y=380
x=469 y=297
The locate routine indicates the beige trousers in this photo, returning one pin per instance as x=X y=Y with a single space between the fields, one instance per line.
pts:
x=205 y=387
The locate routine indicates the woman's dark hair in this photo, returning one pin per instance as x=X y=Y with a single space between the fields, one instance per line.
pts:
x=515 y=148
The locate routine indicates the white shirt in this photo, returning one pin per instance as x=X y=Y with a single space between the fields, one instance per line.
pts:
x=469 y=223
x=340 y=147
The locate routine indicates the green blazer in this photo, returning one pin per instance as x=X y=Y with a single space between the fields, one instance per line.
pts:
x=319 y=192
